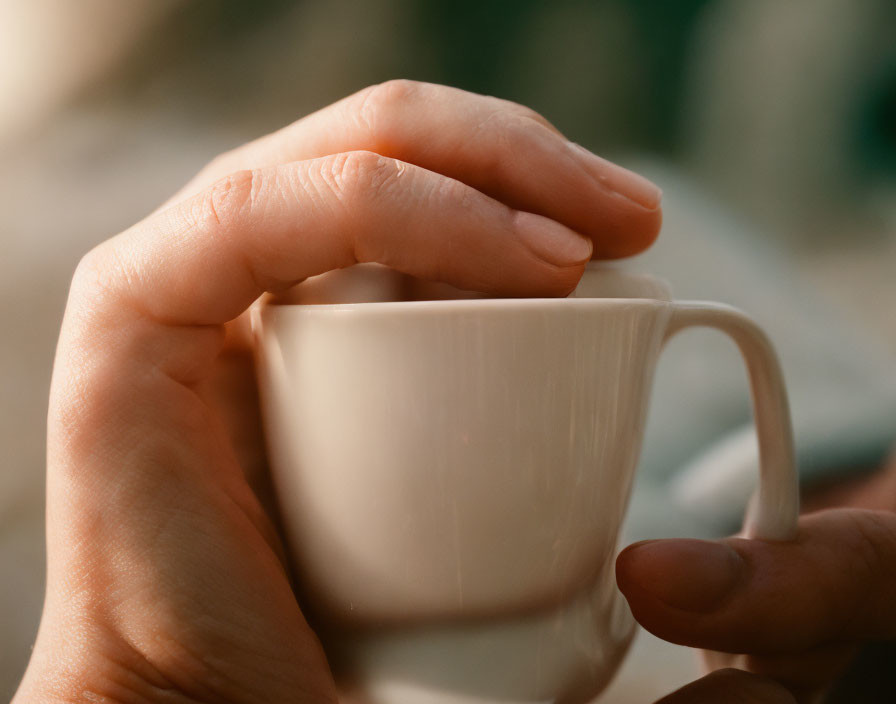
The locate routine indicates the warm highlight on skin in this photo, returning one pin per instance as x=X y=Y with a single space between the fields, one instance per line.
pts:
x=166 y=581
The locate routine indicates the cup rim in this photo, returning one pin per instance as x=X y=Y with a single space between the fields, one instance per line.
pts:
x=466 y=305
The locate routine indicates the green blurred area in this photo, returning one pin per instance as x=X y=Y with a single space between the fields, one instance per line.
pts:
x=477 y=42
x=784 y=110
x=544 y=54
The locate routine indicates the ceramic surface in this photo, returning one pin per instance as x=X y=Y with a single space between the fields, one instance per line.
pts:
x=453 y=475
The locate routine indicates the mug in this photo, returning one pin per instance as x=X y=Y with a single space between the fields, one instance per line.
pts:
x=453 y=475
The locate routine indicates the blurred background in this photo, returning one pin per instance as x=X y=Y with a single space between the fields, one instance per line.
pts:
x=771 y=127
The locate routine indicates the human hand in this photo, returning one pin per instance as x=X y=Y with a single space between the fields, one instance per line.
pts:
x=166 y=576
x=795 y=611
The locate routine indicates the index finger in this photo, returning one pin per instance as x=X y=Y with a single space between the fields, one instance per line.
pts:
x=205 y=260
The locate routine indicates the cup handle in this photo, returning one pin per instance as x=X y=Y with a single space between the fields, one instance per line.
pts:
x=774 y=510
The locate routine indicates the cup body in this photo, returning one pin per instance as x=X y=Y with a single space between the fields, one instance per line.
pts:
x=452 y=477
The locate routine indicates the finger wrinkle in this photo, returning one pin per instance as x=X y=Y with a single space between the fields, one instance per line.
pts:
x=231 y=196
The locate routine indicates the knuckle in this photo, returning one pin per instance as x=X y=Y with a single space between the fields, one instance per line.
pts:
x=362 y=175
x=512 y=132
x=101 y=281
x=515 y=118
x=227 y=199
x=525 y=115
x=521 y=122
x=359 y=182
x=380 y=102
x=95 y=274
x=88 y=268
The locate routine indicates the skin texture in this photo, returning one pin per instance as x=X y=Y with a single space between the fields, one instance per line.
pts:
x=792 y=613
x=166 y=576
x=166 y=579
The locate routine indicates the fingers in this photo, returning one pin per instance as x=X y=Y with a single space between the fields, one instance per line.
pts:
x=835 y=583
x=204 y=261
x=732 y=687
x=161 y=288
x=504 y=150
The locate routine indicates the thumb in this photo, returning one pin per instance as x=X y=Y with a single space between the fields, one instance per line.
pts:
x=836 y=582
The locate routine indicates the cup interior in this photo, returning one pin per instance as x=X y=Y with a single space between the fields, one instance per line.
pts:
x=374 y=283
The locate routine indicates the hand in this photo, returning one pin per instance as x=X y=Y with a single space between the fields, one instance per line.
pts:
x=796 y=611
x=166 y=577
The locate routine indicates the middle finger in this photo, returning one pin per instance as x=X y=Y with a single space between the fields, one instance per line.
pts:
x=502 y=149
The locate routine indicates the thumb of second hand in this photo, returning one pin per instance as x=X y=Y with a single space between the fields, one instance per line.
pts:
x=835 y=583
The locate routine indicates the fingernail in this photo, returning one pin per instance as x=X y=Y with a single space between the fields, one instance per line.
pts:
x=689 y=575
x=552 y=241
x=619 y=180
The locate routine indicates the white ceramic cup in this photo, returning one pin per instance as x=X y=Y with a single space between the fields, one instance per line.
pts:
x=453 y=475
